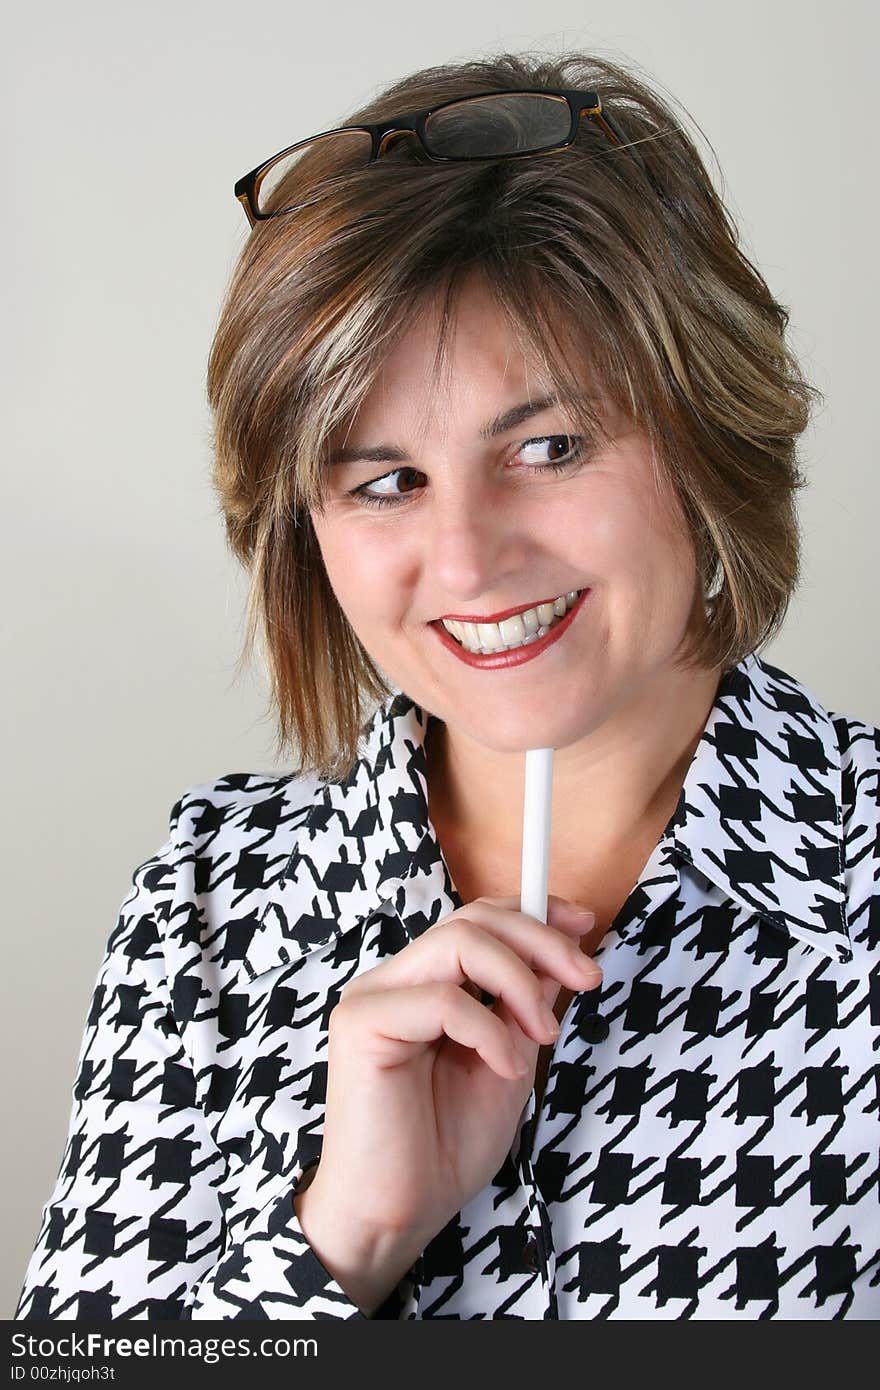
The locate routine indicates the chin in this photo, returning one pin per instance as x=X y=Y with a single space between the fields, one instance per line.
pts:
x=509 y=733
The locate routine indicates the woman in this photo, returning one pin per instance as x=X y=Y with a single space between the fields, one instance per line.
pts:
x=515 y=435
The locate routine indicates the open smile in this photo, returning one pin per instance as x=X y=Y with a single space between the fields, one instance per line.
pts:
x=517 y=639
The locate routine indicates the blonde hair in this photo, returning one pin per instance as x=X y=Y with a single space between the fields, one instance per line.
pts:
x=636 y=284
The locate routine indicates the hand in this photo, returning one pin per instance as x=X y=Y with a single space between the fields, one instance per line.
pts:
x=425 y=1084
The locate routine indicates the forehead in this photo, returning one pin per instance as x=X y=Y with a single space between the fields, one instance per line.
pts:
x=459 y=366
x=443 y=347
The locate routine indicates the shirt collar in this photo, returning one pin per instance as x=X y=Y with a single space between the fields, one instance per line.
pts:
x=760 y=816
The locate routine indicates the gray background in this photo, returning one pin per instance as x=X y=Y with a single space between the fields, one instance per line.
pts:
x=123 y=616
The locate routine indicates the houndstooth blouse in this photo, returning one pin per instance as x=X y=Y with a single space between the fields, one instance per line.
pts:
x=707 y=1145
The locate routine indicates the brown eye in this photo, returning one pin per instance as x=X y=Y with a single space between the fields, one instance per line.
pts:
x=387 y=497
x=569 y=447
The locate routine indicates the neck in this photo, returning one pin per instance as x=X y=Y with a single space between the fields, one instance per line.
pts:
x=613 y=792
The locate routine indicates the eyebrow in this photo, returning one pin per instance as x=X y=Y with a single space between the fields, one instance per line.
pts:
x=389 y=453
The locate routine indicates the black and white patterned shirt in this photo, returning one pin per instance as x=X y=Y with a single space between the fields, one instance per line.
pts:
x=707 y=1145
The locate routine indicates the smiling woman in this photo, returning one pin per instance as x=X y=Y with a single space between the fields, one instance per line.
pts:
x=620 y=284
x=505 y=419
x=474 y=521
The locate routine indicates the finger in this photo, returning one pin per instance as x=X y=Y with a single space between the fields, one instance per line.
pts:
x=524 y=1040
x=561 y=912
x=394 y=1025
x=587 y=973
x=459 y=950
x=532 y=938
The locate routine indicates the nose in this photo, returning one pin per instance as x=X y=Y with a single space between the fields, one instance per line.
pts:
x=477 y=545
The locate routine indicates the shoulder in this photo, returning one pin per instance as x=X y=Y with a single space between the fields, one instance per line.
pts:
x=198 y=902
x=850 y=743
x=240 y=807
x=227 y=840
x=818 y=773
x=858 y=743
x=231 y=839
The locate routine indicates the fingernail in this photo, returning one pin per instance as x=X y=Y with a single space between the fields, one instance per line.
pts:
x=551 y=1022
x=582 y=911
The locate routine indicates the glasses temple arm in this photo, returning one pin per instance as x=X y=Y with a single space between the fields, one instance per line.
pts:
x=604 y=119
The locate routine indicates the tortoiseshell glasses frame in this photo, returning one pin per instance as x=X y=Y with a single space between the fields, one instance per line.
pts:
x=526 y=127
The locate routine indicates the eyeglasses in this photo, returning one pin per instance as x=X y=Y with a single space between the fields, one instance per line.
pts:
x=496 y=125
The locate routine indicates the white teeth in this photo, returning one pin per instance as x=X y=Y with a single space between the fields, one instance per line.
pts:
x=512 y=630
x=516 y=631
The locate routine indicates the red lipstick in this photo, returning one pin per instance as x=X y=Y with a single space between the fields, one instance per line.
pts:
x=493 y=661
x=495 y=617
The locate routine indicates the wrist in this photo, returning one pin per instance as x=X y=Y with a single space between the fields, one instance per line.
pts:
x=366 y=1262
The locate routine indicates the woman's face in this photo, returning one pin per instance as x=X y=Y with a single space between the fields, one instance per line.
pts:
x=468 y=525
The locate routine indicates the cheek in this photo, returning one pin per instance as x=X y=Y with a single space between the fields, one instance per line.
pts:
x=655 y=527
x=609 y=514
x=638 y=540
x=663 y=570
x=364 y=576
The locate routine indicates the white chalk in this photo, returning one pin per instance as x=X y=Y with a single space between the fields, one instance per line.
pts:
x=537 y=801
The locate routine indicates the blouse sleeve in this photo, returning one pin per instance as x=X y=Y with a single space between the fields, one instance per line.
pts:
x=134 y=1226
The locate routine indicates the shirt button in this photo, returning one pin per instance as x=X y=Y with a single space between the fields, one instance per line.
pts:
x=593 y=1028
x=530 y=1255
